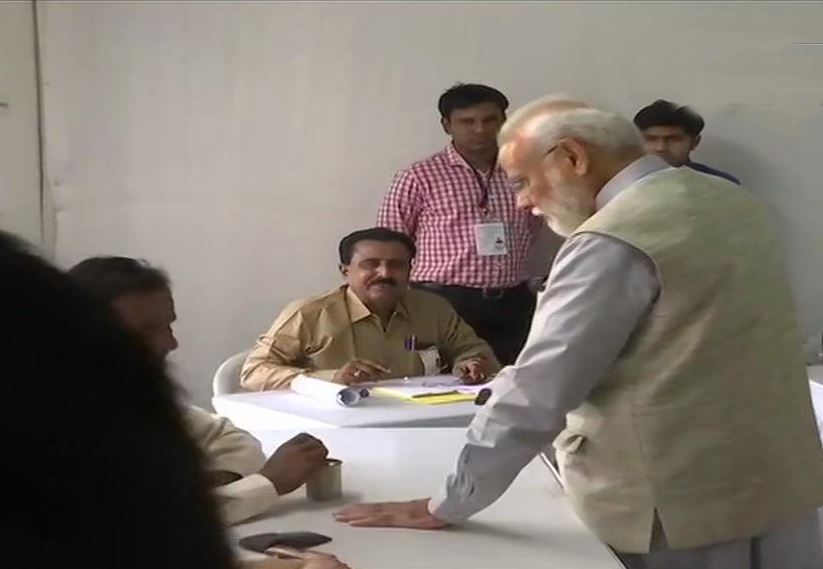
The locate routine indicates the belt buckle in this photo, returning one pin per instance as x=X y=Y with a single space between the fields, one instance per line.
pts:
x=493 y=293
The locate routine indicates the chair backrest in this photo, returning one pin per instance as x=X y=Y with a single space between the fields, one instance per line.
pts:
x=817 y=403
x=227 y=377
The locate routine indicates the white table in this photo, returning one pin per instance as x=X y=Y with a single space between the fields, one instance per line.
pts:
x=269 y=410
x=531 y=526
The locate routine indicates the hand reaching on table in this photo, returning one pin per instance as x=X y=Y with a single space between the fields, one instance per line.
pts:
x=360 y=370
x=413 y=515
x=473 y=370
x=291 y=465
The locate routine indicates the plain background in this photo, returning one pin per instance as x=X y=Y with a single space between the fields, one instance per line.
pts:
x=19 y=155
x=234 y=144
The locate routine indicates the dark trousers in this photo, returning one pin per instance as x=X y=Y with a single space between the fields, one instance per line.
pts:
x=502 y=317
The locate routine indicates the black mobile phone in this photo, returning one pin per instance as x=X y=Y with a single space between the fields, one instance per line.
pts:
x=296 y=540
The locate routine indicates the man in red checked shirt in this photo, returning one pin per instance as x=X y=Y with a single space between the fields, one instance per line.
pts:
x=473 y=242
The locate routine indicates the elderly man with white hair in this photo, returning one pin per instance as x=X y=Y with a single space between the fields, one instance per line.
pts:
x=663 y=361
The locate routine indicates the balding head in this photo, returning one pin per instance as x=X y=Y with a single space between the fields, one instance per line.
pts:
x=522 y=122
x=561 y=151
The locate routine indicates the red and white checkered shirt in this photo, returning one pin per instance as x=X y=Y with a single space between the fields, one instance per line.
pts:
x=438 y=202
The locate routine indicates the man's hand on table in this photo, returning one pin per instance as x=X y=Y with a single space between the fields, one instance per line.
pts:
x=413 y=515
x=360 y=370
x=473 y=370
x=291 y=465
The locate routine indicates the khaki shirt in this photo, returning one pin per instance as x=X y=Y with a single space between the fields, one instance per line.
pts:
x=320 y=335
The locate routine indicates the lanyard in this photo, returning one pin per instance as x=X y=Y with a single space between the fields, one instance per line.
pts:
x=483 y=204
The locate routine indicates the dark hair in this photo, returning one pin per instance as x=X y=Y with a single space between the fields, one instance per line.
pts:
x=348 y=243
x=666 y=113
x=110 y=278
x=109 y=474
x=465 y=95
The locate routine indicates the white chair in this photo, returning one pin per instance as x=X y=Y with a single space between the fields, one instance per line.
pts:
x=815 y=379
x=227 y=377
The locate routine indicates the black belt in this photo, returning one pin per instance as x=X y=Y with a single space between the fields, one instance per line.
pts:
x=490 y=293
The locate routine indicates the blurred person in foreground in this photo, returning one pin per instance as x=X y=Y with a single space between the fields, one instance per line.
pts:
x=106 y=473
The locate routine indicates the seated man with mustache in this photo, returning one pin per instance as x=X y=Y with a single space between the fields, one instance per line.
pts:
x=372 y=328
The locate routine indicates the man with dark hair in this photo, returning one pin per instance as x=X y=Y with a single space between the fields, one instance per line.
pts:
x=371 y=328
x=247 y=484
x=672 y=132
x=347 y=245
x=138 y=292
x=460 y=210
x=107 y=474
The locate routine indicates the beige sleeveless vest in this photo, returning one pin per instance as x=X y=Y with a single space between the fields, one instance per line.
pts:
x=706 y=416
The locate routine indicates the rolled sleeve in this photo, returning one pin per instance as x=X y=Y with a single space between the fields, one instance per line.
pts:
x=226 y=447
x=246 y=498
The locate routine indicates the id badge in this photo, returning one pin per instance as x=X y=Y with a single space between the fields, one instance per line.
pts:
x=431 y=360
x=490 y=239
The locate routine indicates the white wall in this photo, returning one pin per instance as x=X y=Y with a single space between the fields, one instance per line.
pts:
x=19 y=146
x=235 y=144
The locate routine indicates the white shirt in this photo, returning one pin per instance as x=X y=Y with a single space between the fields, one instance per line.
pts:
x=246 y=498
x=230 y=449
x=226 y=447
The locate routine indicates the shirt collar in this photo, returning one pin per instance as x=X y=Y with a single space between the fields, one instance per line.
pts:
x=455 y=159
x=453 y=156
x=628 y=176
x=359 y=311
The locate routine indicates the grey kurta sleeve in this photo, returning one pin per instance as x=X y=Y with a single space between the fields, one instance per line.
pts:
x=598 y=291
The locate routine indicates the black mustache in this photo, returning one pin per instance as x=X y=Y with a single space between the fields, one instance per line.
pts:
x=391 y=282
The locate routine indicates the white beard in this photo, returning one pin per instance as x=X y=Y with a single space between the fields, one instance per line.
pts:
x=568 y=221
